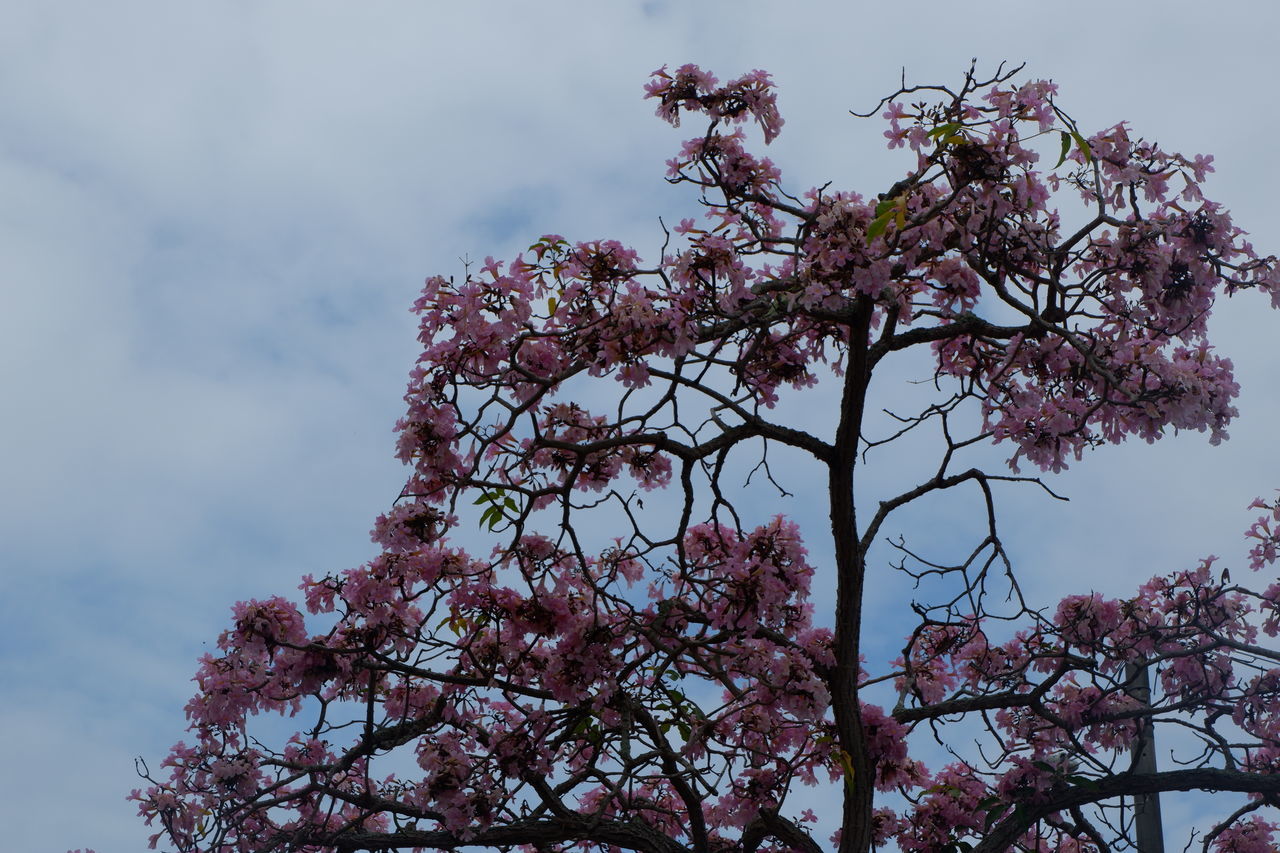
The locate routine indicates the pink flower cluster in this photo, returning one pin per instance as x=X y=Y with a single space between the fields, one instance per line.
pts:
x=750 y=96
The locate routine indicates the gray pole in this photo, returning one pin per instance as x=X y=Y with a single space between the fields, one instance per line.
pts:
x=1146 y=807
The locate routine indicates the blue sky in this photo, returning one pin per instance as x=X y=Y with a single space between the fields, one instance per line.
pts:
x=215 y=216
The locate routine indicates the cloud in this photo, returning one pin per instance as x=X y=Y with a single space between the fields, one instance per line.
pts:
x=214 y=219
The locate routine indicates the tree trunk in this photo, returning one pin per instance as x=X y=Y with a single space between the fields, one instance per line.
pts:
x=1146 y=807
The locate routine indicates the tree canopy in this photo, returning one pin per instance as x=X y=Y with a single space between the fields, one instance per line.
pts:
x=637 y=662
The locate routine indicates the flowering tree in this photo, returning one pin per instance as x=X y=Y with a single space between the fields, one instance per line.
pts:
x=636 y=664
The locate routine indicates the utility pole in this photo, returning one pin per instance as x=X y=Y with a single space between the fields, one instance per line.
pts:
x=1146 y=807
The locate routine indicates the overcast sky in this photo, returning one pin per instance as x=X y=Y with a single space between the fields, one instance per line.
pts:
x=214 y=216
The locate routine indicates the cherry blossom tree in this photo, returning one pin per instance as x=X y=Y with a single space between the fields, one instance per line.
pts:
x=585 y=630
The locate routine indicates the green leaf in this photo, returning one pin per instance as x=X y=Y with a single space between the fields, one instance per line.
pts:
x=497 y=499
x=994 y=814
x=947 y=129
x=1083 y=146
x=551 y=305
x=455 y=622
x=491 y=517
x=587 y=729
x=847 y=763
x=1066 y=148
x=943 y=789
x=877 y=226
x=1085 y=782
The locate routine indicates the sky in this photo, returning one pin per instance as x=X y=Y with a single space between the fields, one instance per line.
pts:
x=214 y=217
